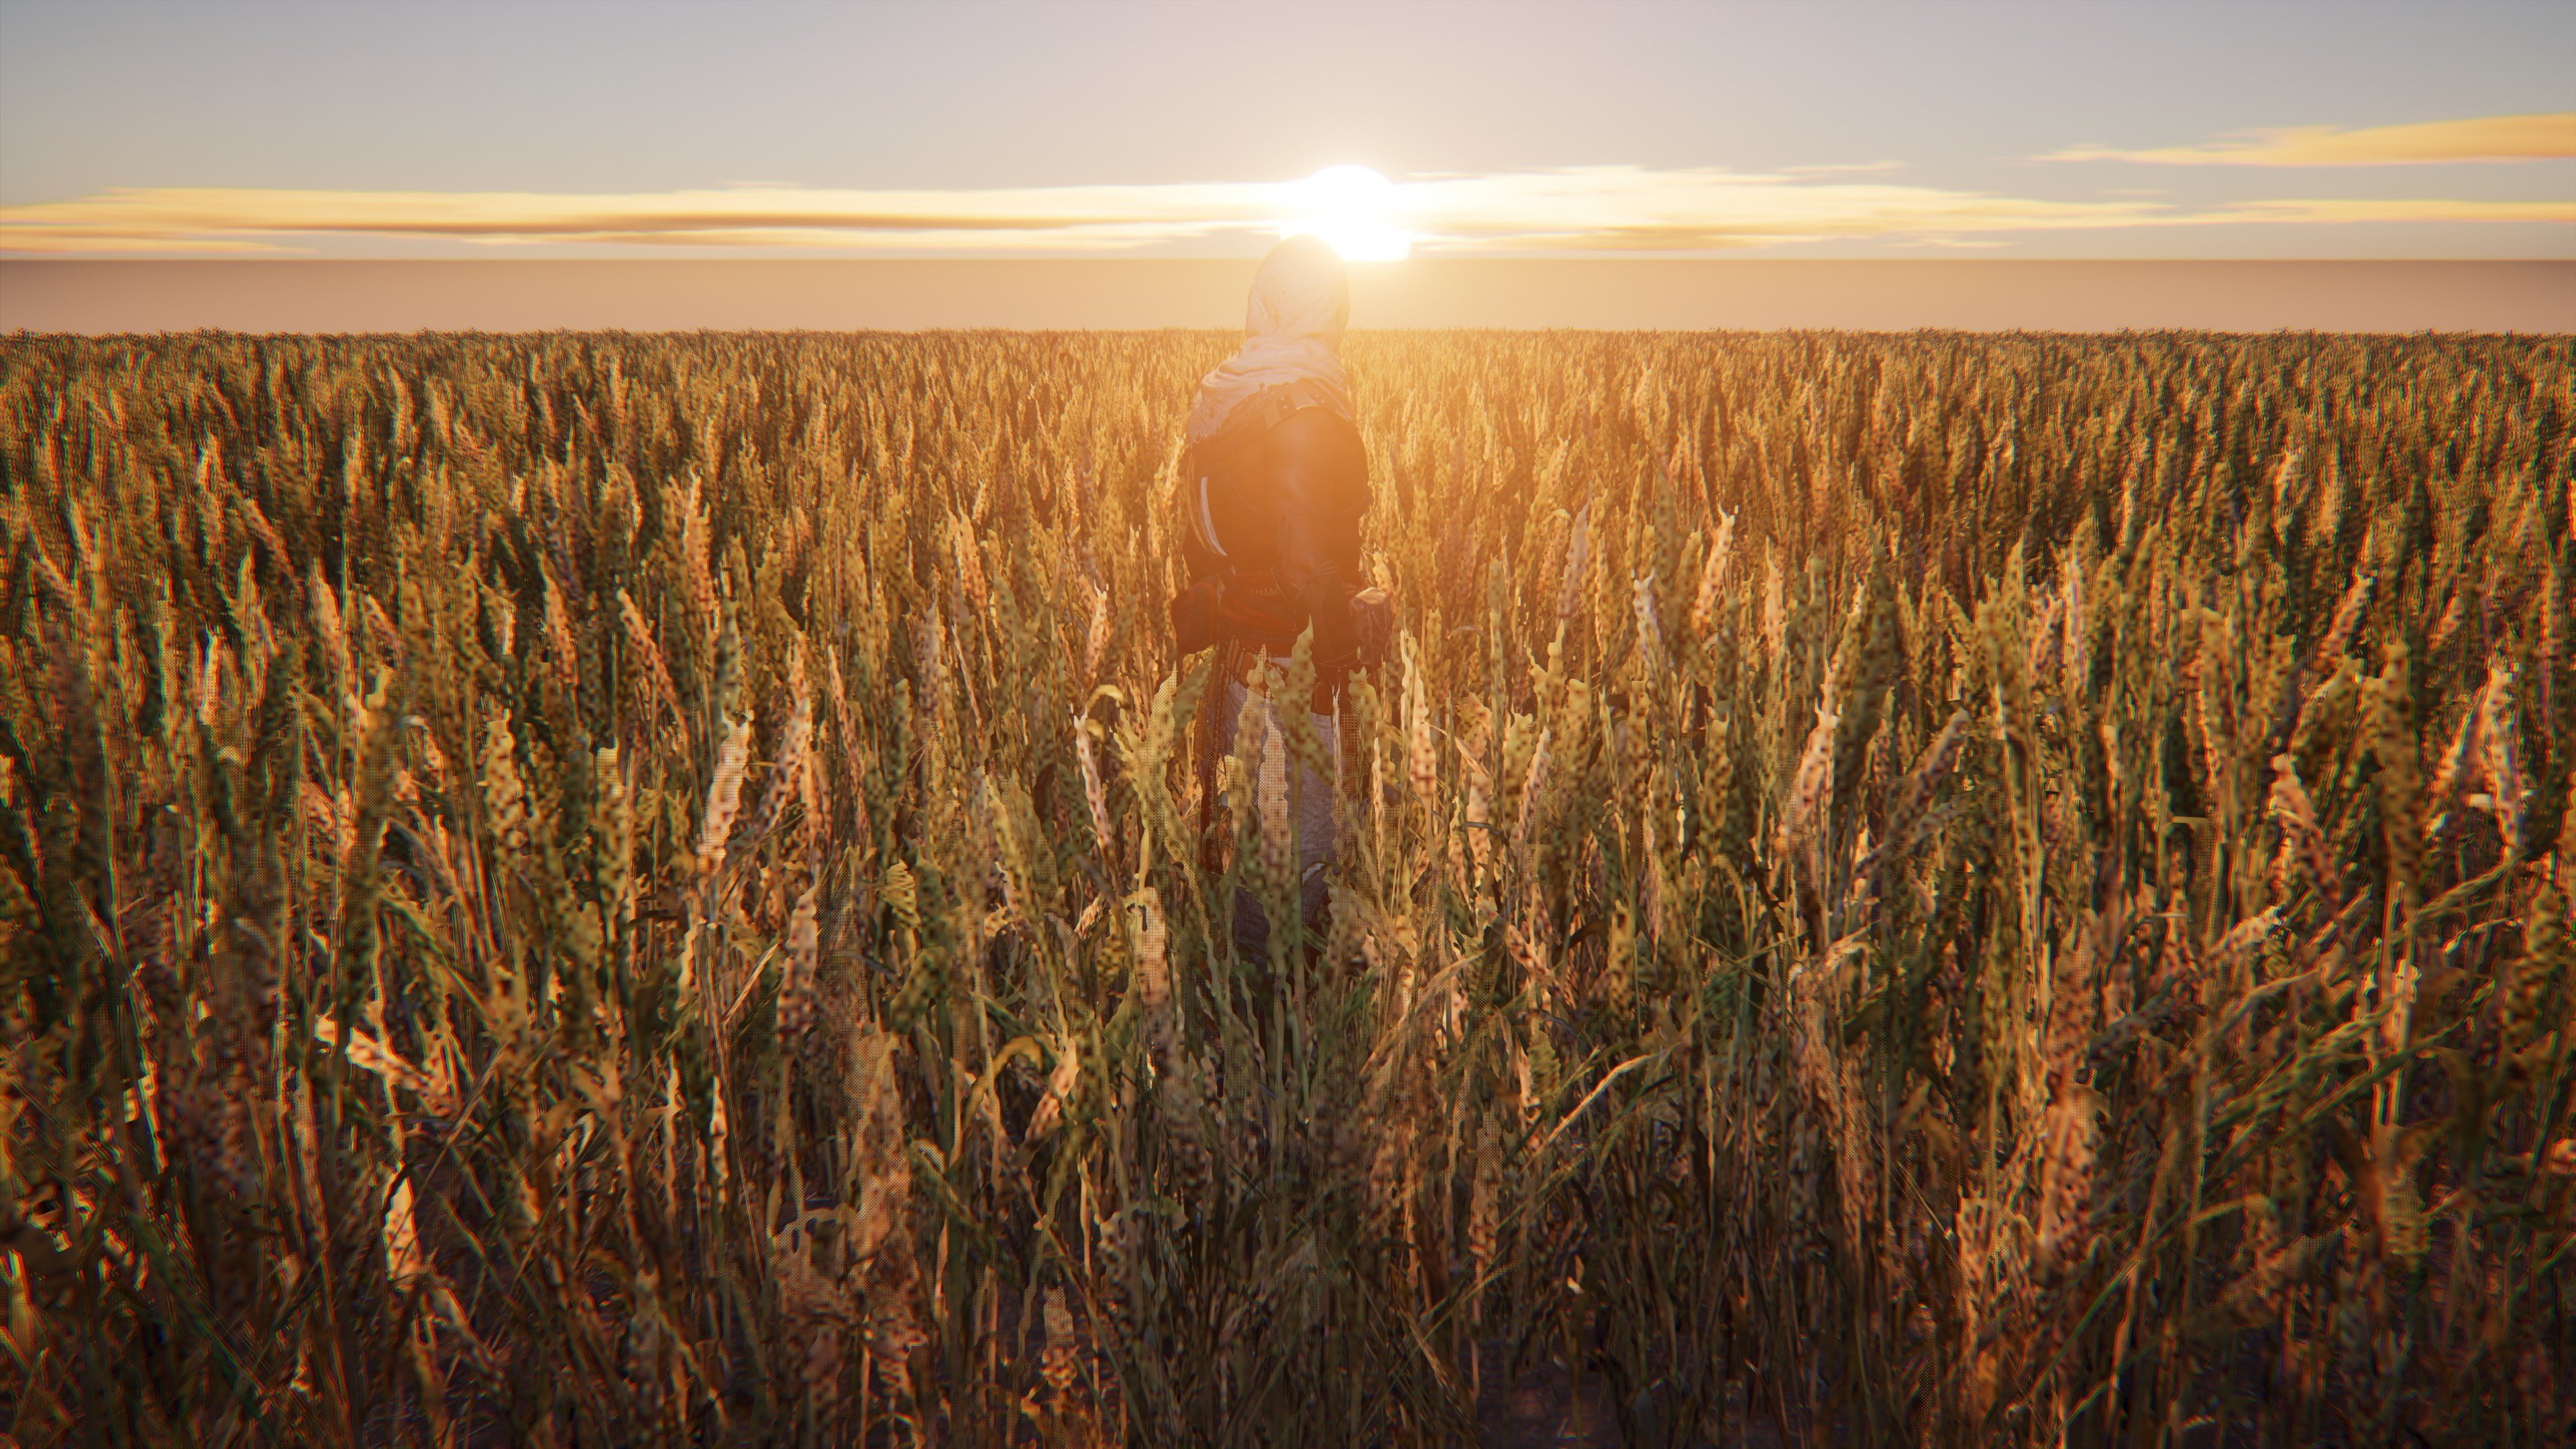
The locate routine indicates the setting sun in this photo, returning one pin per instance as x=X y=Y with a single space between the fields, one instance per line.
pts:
x=1351 y=208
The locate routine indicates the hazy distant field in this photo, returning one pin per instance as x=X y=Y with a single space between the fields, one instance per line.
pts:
x=522 y=296
x=591 y=889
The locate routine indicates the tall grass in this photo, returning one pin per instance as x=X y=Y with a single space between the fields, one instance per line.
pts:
x=590 y=889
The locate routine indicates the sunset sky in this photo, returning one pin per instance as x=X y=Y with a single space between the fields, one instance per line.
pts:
x=670 y=130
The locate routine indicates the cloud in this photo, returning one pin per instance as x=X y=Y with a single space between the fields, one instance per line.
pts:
x=1582 y=210
x=96 y=241
x=2344 y=212
x=1844 y=168
x=2549 y=136
x=1631 y=208
x=1073 y=218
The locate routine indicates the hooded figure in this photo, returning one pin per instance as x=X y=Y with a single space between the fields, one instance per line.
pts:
x=1274 y=482
x=1292 y=333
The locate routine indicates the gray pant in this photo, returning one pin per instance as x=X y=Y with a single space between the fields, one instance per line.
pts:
x=1313 y=814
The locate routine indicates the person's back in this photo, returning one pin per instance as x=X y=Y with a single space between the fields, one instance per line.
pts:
x=1277 y=525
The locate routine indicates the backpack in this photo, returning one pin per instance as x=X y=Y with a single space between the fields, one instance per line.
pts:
x=1225 y=602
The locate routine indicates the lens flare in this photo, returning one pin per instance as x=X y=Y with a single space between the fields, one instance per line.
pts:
x=1352 y=209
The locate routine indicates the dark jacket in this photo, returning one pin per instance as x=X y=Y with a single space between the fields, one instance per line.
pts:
x=1270 y=508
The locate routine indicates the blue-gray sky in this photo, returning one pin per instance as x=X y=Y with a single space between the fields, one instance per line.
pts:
x=2294 y=128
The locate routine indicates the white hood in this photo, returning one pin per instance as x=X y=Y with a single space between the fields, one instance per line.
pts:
x=1293 y=322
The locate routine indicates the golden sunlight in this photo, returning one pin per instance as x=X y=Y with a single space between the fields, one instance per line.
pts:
x=1351 y=208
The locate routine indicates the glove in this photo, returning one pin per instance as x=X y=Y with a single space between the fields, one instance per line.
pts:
x=1326 y=602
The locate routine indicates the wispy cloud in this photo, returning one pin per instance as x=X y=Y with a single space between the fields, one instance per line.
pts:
x=1634 y=208
x=2547 y=136
x=1586 y=210
x=2334 y=211
x=1844 y=168
x=1076 y=218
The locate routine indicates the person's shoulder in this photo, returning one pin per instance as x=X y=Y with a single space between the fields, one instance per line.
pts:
x=1314 y=432
x=1318 y=442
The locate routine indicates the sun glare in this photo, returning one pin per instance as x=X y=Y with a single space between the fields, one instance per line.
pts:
x=1351 y=208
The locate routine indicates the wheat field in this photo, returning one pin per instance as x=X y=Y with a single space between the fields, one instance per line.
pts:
x=1931 y=889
